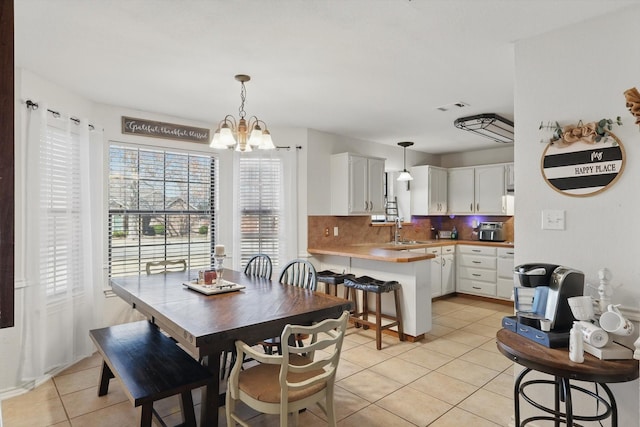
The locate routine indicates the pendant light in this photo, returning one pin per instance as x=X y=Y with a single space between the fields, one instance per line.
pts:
x=404 y=175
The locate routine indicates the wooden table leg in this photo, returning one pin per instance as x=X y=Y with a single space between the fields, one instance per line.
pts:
x=210 y=400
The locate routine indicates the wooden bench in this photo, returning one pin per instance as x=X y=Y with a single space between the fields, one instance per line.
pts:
x=151 y=367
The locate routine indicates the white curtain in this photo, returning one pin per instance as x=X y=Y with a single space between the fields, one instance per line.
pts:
x=287 y=236
x=61 y=294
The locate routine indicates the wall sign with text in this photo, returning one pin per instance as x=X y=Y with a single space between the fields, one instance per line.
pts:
x=582 y=168
x=164 y=130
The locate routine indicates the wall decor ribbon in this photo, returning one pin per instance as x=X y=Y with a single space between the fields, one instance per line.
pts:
x=589 y=133
x=633 y=102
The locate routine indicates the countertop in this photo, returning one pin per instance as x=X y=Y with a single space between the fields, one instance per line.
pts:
x=391 y=252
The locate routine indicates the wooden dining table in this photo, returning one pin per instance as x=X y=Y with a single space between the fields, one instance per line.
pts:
x=207 y=325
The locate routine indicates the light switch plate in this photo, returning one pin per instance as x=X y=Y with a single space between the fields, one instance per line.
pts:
x=553 y=219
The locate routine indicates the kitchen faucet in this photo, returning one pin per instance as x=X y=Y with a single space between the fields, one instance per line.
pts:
x=397 y=227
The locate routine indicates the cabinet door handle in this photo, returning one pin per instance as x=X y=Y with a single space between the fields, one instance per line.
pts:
x=471 y=207
x=476 y=287
x=371 y=209
x=477 y=262
x=476 y=250
x=476 y=275
x=477 y=207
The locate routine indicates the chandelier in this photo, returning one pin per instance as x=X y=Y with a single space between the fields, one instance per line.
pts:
x=242 y=134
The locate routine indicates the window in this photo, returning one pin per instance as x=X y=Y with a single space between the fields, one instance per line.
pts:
x=161 y=207
x=61 y=220
x=260 y=207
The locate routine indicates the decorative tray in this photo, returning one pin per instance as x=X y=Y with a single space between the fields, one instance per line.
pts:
x=214 y=289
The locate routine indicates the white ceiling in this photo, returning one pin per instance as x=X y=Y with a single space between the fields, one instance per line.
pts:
x=368 y=69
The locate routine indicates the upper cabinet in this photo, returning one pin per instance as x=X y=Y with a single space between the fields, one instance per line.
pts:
x=460 y=191
x=479 y=190
x=428 y=190
x=357 y=185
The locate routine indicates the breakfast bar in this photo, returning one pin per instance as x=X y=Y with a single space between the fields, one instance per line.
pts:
x=389 y=262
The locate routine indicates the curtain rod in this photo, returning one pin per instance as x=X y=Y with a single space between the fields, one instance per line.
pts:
x=34 y=106
x=288 y=147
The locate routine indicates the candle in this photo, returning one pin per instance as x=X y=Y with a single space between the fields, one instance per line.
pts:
x=219 y=250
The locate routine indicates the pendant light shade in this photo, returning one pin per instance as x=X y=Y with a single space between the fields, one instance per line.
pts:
x=405 y=175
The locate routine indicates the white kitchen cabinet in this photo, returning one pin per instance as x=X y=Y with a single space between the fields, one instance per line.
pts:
x=357 y=185
x=477 y=190
x=460 y=190
x=489 y=189
x=442 y=270
x=505 y=273
x=476 y=270
x=448 y=270
x=428 y=190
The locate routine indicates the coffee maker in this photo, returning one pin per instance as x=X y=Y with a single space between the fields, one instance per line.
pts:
x=541 y=301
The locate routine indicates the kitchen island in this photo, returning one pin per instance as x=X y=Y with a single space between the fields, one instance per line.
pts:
x=389 y=262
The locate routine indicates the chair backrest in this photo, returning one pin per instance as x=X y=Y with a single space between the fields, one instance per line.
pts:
x=299 y=273
x=165 y=266
x=326 y=336
x=259 y=266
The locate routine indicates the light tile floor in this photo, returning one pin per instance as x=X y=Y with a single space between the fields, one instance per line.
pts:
x=453 y=377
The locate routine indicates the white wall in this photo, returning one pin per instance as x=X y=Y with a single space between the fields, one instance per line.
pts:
x=580 y=73
x=322 y=145
x=478 y=157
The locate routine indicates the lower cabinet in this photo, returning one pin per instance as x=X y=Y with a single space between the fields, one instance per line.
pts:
x=477 y=270
x=485 y=270
x=505 y=273
x=443 y=272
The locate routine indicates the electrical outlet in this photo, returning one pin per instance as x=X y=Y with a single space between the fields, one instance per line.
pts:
x=335 y=231
x=326 y=232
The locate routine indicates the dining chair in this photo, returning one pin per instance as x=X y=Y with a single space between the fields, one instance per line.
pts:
x=300 y=273
x=165 y=266
x=259 y=266
x=288 y=383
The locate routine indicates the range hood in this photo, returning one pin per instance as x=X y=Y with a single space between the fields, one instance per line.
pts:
x=490 y=126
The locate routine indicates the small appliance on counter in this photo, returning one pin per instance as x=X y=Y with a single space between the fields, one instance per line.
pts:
x=442 y=234
x=541 y=302
x=491 y=232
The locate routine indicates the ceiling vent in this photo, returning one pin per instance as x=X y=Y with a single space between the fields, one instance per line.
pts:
x=490 y=126
x=452 y=106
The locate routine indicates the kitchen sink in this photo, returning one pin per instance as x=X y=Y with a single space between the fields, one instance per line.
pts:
x=412 y=242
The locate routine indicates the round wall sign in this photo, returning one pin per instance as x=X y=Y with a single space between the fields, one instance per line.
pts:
x=583 y=169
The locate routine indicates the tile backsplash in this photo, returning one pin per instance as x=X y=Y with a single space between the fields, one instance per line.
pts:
x=360 y=229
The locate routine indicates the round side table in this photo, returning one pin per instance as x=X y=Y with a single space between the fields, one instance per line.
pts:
x=555 y=361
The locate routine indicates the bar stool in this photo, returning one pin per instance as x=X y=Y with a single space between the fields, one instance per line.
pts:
x=329 y=277
x=368 y=284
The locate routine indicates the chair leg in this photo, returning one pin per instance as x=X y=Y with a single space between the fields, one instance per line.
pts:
x=378 y=321
x=186 y=406
x=329 y=408
x=146 y=414
x=229 y=408
x=105 y=376
x=396 y=296
x=365 y=307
